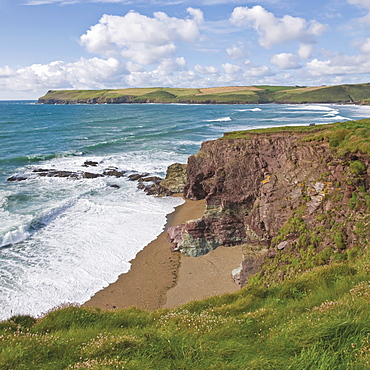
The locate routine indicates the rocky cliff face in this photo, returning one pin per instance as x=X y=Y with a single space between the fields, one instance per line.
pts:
x=285 y=200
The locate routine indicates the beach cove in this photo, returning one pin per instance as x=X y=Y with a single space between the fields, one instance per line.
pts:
x=161 y=278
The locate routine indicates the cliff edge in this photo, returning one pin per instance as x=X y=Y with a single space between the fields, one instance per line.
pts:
x=294 y=197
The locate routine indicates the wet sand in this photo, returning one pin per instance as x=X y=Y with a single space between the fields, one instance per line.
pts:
x=161 y=278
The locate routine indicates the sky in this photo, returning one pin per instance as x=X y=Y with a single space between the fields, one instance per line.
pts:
x=96 y=44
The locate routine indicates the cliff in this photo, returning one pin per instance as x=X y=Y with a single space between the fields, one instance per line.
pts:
x=341 y=94
x=295 y=198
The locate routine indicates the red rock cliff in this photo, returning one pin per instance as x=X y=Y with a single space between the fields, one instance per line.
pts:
x=254 y=186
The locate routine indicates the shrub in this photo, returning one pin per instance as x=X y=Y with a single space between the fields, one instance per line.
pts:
x=357 y=167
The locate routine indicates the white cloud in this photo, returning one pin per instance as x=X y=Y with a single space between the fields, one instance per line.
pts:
x=305 y=51
x=340 y=65
x=236 y=51
x=140 y=38
x=230 y=68
x=134 y=67
x=256 y=71
x=209 y=70
x=168 y=66
x=365 y=47
x=285 y=61
x=83 y=74
x=363 y=3
x=6 y=72
x=274 y=30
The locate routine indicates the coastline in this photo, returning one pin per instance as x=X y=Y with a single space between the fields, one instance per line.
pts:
x=160 y=278
x=153 y=271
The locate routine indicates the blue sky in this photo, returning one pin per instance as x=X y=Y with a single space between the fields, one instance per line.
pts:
x=94 y=44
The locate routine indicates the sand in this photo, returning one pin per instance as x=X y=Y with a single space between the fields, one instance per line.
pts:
x=160 y=278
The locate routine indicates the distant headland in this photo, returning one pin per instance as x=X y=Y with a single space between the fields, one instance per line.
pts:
x=339 y=94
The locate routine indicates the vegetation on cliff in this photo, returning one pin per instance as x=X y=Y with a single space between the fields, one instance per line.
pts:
x=300 y=197
x=319 y=320
x=342 y=94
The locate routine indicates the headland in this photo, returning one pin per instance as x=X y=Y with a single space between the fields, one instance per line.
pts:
x=340 y=94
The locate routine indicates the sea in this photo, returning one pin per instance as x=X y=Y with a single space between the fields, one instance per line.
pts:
x=63 y=239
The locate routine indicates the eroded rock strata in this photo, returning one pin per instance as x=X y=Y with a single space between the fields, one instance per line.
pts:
x=291 y=203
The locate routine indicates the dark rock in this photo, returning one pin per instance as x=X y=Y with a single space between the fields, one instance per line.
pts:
x=90 y=163
x=137 y=176
x=250 y=266
x=154 y=189
x=17 y=178
x=154 y=179
x=113 y=172
x=114 y=186
x=89 y=175
x=66 y=174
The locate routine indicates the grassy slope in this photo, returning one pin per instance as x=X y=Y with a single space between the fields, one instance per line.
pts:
x=344 y=137
x=317 y=319
x=237 y=95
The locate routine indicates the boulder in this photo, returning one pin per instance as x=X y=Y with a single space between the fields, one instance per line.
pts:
x=175 y=178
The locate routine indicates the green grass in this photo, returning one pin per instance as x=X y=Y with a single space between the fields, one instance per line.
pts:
x=332 y=94
x=265 y=94
x=319 y=320
x=275 y=88
x=346 y=137
x=343 y=137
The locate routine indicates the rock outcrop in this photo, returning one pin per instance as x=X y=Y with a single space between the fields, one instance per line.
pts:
x=267 y=192
x=175 y=178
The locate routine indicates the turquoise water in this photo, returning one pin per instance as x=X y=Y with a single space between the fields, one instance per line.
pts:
x=61 y=240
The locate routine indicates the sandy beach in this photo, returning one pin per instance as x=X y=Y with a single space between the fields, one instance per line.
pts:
x=161 y=278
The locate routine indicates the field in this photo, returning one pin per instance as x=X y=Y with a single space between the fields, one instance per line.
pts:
x=342 y=94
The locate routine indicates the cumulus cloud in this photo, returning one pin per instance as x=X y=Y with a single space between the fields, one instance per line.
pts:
x=83 y=74
x=236 y=51
x=142 y=39
x=365 y=46
x=230 y=68
x=285 y=61
x=340 y=65
x=208 y=70
x=305 y=51
x=274 y=30
x=256 y=71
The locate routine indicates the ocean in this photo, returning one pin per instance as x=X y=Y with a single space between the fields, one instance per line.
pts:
x=63 y=239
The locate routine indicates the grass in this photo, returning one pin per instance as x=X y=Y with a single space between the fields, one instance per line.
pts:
x=343 y=137
x=346 y=137
x=315 y=321
x=222 y=95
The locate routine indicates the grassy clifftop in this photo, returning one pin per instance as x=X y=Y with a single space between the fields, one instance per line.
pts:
x=317 y=321
x=344 y=94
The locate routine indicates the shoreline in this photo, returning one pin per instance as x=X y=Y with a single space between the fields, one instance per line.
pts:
x=160 y=278
x=153 y=271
